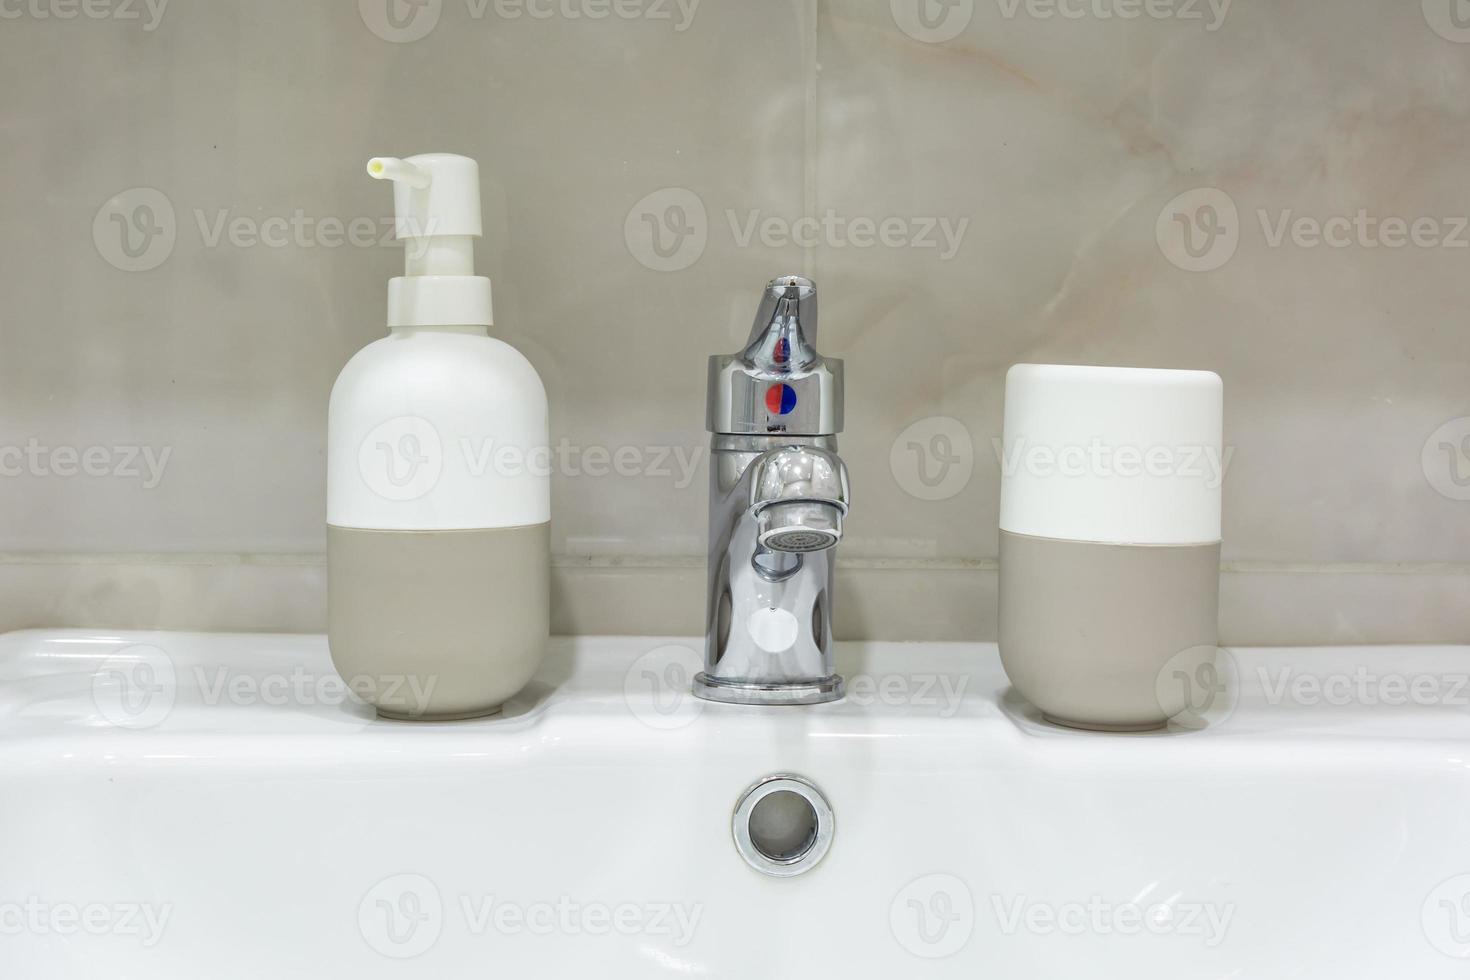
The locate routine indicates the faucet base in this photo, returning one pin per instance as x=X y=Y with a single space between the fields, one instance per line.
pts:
x=818 y=691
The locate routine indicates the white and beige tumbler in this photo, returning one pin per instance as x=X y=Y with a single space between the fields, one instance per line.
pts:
x=1109 y=540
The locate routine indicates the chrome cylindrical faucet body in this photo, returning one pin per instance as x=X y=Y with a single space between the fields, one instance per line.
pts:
x=778 y=498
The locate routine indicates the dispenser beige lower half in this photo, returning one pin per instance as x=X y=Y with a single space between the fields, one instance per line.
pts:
x=438 y=625
x=1103 y=636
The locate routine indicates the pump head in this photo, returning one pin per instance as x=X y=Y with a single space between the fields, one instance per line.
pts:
x=436 y=203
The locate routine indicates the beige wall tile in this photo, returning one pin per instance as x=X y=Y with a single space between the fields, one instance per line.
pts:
x=982 y=183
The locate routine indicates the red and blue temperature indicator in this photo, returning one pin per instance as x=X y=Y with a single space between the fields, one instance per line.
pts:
x=780 y=399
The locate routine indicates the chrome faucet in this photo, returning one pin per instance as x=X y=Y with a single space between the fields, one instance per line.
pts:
x=778 y=496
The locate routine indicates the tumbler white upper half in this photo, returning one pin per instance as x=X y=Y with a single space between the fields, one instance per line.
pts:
x=1113 y=455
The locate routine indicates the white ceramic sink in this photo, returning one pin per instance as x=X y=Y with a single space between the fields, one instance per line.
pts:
x=210 y=806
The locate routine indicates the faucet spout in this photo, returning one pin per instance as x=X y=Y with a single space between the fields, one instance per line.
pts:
x=798 y=495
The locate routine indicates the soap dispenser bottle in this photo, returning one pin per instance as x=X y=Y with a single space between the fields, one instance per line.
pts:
x=438 y=477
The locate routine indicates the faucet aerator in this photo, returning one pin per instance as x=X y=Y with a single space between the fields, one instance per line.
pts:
x=799 y=527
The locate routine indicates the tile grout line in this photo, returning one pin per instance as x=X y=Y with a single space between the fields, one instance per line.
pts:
x=809 y=44
x=686 y=562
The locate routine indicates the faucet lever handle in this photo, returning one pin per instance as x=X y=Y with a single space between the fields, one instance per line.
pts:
x=778 y=384
x=784 y=335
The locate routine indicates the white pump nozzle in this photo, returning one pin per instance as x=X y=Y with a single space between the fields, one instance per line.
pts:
x=393 y=168
x=436 y=200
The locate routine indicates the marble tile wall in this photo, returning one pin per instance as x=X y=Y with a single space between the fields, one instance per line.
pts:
x=1273 y=190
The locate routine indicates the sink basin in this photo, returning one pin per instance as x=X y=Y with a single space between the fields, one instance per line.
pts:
x=178 y=805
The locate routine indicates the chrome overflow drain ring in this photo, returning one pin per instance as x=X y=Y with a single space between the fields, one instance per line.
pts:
x=783 y=825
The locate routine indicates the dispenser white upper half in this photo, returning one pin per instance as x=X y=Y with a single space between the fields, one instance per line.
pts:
x=437 y=426
x=1113 y=455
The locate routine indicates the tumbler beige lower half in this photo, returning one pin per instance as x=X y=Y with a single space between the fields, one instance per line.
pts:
x=1098 y=635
